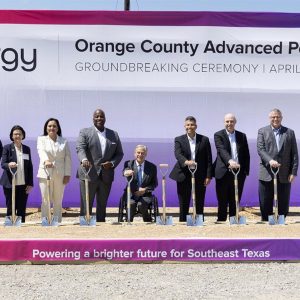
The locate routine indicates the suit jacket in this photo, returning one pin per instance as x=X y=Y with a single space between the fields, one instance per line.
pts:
x=149 y=180
x=287 y=155
x=202 y=156
x=223 y=147
x=9 y=155
x=1 y=149
x=89 y=147
x=61 y=158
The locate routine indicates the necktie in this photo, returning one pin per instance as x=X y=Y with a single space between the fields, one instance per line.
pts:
x=277 y=137
x=140 y=175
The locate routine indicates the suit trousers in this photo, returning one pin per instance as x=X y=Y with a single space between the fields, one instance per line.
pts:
x=226 y=194
x=266 y=197
x=184 y=192
x=20 y=201
x=56 y=195
x=139 y=204
x=101 y=190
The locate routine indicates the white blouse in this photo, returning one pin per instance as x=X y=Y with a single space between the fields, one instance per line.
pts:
x=20 y=176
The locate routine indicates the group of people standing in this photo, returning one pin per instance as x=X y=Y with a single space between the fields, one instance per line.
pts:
x=55 y=158
x=99 y=151
x=276 y=147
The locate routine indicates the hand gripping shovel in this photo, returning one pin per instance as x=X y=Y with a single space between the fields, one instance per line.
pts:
x=128 y=199
x=194 y=220
x=237 y=219
x=164 y=220
x=87 y=220
x=49 y=221
x=12 y=220
x=276 y=219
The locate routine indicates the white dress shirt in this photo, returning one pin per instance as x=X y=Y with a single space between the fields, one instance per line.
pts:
x=192 y=142
x=102 y=139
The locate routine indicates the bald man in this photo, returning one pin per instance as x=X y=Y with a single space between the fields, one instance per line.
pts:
x=99 y=148
x=232 y=153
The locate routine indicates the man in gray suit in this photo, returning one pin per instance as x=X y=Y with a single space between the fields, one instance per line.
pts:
x=277 y=148
x=100 y=149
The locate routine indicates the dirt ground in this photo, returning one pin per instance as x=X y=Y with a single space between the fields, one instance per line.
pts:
x=70 y=228
x=237 y=280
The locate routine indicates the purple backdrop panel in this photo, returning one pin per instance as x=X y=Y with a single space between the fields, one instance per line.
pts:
x=150 y=250
x=160 y=151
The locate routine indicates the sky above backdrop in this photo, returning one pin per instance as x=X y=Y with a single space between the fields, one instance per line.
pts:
x=157 y=5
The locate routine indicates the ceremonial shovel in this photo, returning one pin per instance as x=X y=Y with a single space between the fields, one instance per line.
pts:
x=12 y=220
x=194 y=220
x=128 y=199
x=276 y=219
x=164 y=220
x=87 y=220
x=49 y=221
x=236 y=219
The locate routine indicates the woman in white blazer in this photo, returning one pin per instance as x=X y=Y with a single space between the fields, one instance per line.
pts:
x=54 y=155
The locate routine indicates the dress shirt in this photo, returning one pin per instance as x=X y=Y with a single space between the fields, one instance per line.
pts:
x=277 y=132
x=232 y=139
x=192 y=142
x=142 y=169
x=102 y=139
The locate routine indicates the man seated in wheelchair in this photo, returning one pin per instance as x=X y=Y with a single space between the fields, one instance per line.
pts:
x=143 y=183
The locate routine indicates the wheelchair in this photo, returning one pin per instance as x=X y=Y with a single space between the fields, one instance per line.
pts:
x=152 y=209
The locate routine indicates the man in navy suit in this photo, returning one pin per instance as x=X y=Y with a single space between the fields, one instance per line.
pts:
x=99 y=148
x=143 y=183
x=277 y=148
x=232 y=154
x=191 y=148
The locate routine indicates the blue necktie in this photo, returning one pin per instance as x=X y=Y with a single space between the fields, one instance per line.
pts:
x=277 y=137
x=140 y=175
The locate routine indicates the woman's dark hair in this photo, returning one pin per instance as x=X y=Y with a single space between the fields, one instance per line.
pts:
x=57 y=123
x=16 y=127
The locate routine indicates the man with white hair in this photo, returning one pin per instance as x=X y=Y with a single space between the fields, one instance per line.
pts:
x=232 y=154
x=277 y=148
x=143 y=184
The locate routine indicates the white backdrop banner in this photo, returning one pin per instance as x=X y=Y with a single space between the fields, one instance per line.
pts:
x=156 y=66
x=88 y=54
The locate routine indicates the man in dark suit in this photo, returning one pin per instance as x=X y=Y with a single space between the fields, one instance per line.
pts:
x=99 y=148
x=191 y=148
x=232 y=153
x=144 y=182
x=277 y=148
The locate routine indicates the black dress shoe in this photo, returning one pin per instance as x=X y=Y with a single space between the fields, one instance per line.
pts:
x=221 y=220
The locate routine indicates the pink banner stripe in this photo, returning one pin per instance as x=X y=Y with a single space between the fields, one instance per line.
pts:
x=150 y=250
x=146 y=18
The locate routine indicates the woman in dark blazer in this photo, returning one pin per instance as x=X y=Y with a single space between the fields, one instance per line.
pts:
x=17 y=155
